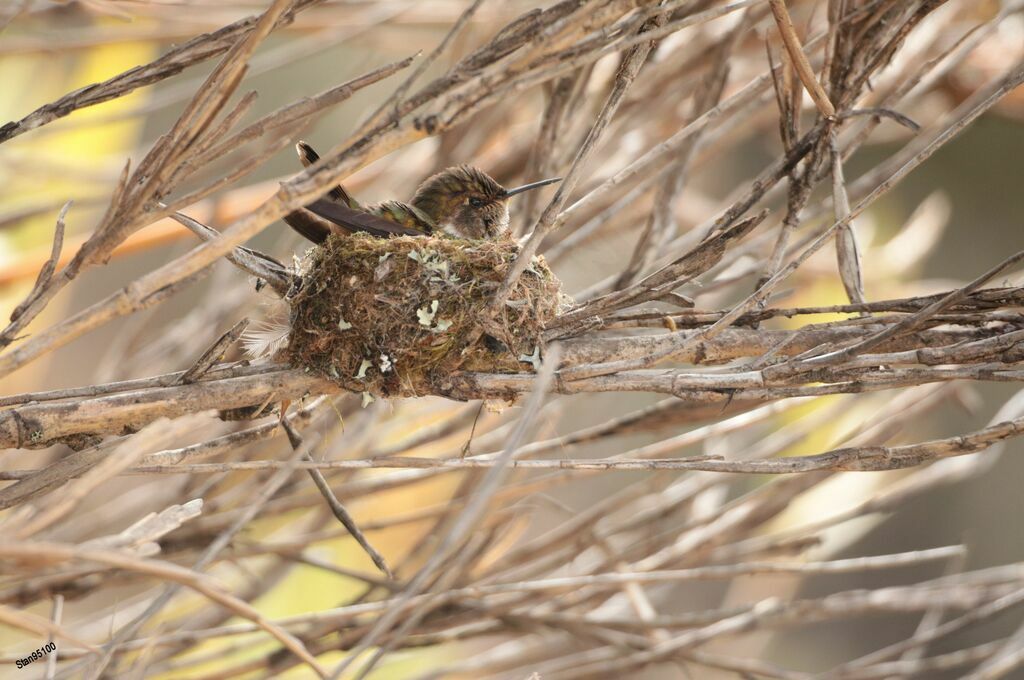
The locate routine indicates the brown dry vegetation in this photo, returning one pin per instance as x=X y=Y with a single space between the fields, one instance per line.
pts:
x=738 y=392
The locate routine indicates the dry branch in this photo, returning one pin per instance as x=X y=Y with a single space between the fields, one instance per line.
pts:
x=630 y=101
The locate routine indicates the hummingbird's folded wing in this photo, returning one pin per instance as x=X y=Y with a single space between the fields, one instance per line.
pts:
x=352 y=221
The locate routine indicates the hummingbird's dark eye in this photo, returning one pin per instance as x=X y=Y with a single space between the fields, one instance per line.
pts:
x=476 y=202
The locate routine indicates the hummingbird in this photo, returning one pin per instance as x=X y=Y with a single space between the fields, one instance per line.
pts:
x=463 y=201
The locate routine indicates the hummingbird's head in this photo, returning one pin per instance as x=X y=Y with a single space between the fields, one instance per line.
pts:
x=466 y=202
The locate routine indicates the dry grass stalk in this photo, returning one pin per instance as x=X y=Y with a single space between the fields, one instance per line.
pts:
x=630 y=101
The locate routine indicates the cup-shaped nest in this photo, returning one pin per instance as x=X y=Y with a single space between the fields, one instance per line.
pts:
x=395 y=317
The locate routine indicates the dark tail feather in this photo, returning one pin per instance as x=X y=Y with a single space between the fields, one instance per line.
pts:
x=338 y=213
x=309 y=225
x=308 y=156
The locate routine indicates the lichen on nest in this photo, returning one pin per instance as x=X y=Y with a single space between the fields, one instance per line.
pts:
x=395 y=317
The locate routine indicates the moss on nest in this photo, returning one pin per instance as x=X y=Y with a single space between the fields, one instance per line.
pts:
x=394 y=317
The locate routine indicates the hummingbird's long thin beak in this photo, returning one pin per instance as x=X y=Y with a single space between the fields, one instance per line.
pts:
x=532 y=185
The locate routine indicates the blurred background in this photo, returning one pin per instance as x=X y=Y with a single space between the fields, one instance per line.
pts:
x=955 y=217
